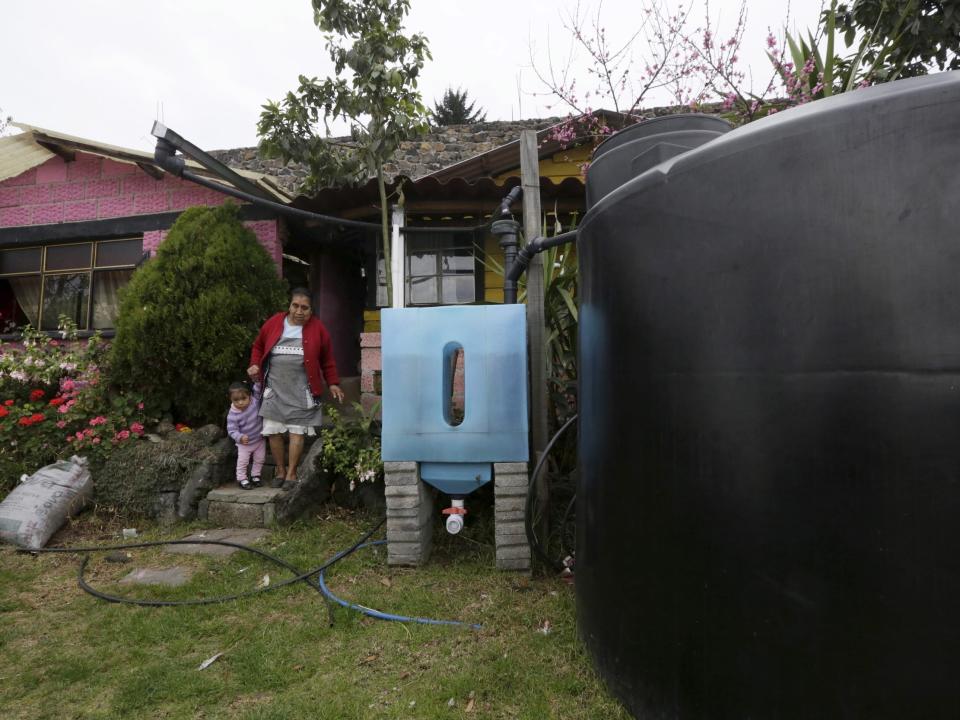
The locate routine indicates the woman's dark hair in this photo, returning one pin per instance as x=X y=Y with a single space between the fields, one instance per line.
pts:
x=302 y=292
x=239 y=387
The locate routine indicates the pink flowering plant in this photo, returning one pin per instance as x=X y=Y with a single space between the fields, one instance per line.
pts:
x=670 y=55
x=813 y=75
x=54 y=403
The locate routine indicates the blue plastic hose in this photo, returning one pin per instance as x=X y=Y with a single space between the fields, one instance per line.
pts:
x=377 y=613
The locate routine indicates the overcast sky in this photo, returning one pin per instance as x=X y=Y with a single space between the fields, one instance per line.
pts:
x=105 y=69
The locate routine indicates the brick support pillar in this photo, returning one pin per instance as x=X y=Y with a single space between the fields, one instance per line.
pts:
x=510 y=498
x=410 y=514
x=371 y=368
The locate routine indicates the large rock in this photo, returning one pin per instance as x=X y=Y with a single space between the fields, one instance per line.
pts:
x=207 y=475
x=312 y=487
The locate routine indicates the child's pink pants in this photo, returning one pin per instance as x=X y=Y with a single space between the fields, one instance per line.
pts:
x=258 y=451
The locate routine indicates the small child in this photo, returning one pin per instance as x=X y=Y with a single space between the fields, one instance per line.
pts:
x=244 y=425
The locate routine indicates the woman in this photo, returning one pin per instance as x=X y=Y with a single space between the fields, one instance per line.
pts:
x=293 y=351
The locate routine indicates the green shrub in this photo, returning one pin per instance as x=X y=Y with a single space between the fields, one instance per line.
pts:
x=351 y=448
x=189 y=316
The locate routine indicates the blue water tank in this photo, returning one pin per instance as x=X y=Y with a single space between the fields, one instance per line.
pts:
x=418 y=346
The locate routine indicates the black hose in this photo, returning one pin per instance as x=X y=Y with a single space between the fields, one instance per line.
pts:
x=299 y=575
x=531 y=495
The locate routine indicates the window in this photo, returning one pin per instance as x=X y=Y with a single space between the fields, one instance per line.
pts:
x=79 y=280
x=442 y=267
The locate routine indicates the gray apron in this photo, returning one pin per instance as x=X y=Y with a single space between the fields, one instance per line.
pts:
x=287 y=397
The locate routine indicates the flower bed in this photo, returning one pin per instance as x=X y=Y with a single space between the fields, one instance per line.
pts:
x=55 y=402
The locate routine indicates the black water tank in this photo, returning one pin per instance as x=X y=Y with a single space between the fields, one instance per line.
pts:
x=630 y=152
x=768 y=519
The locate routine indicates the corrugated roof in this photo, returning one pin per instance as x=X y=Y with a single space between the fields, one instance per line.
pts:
x=428 y=194
x=27 y=151
x=505 y=158
x=19 y=153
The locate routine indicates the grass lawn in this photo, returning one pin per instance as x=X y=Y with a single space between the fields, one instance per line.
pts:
x=67 y=655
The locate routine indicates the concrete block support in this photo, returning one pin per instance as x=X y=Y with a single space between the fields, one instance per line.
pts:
x=510 y=491
x=410 y=514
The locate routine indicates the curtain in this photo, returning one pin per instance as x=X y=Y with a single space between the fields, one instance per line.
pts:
x=106 y=296
x=65 y=294
x=27 y=292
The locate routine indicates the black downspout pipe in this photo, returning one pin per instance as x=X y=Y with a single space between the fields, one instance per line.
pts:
x=508 y=231
x=187 y=148
x=507 y=201
x=166 y=157
x=537 y=245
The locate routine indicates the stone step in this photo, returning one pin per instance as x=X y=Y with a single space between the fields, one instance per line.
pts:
x=236 y=494
x=233 y=506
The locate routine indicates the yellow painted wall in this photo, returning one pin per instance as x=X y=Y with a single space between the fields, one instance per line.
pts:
x=493 y=275
x=371 y=321
x=557 y=167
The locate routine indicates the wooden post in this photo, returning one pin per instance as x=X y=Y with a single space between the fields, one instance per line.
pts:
x=536 y=324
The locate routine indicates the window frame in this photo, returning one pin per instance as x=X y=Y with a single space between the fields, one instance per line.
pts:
x=472 y=239
x=92 y=269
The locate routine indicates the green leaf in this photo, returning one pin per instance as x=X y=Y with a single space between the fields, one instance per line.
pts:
x=827 y=69
x=571 y=305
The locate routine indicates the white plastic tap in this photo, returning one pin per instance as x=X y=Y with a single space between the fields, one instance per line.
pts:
x=455 y=514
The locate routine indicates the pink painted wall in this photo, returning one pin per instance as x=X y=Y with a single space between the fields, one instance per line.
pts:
x=371 y=367
x=96 y=188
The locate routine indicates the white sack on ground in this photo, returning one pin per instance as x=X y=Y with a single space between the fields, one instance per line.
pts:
x=36 y=508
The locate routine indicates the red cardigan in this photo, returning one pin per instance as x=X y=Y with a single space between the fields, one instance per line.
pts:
x=317 y=351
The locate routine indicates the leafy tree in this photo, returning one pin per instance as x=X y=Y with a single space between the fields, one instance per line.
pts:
x=908 y=36
x=188 y=316
x=454 y=110
x=884 y=47
x=374 y=91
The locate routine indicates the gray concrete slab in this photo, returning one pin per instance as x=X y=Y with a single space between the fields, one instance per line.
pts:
x=234 y=493
x=243 y=536
x=171 y=577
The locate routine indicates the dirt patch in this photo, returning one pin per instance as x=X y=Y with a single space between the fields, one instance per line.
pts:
x=245 y=702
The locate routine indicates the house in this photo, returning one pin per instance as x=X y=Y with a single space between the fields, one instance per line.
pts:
x=77 y=217
x=446 y=186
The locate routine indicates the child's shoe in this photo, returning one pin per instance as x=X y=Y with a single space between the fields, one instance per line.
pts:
x=244 y=484
x=256 y=481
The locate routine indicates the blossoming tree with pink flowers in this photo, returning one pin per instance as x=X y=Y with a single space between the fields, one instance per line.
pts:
x=678 y=54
